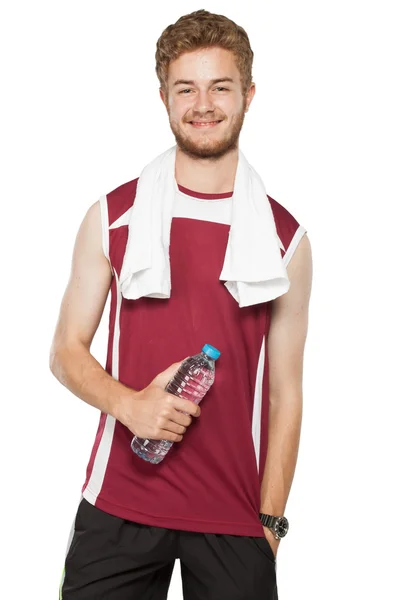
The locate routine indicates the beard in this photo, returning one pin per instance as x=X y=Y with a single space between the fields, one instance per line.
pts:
x=205 y=146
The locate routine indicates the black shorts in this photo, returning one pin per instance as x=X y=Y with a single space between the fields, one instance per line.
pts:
x=114 y=559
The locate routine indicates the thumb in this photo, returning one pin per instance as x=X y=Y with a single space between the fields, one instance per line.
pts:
x=165 y=377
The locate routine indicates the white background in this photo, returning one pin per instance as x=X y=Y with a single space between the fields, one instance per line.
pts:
x=81 y=115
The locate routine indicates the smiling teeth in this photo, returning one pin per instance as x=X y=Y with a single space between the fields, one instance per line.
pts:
x=205 y=123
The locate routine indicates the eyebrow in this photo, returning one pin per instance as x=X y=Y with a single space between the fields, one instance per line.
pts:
x=212 y=82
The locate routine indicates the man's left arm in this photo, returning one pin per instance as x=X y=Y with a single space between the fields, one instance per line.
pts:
x=286 y=343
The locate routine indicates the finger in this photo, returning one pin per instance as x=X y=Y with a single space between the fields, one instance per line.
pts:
x=171 y=436
x=175 y=427
x=187 y=406
x=181 y=418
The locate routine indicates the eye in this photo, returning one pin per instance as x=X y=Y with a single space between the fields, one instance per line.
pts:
x=185 y=90
x=222 y=88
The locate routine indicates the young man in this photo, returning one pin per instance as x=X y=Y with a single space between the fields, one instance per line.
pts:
x=206 y=502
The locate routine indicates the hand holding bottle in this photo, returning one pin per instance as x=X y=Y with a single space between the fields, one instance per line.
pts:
x=190 y=382
x=154 y=413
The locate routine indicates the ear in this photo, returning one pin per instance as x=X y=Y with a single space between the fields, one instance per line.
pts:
x=250 y=95
x=163 y=97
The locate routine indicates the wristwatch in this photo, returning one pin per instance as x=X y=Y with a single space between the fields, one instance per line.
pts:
x=278 y=525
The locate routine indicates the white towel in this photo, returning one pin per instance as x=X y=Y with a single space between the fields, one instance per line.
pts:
x=253 y=268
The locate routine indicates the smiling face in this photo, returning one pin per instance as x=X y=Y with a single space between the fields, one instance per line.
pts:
x=205 y=102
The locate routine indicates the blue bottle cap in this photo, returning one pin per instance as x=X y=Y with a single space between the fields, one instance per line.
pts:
x=211 y=351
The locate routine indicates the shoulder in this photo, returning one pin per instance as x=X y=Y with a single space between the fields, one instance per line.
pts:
x=120 y=199
x=290 y=231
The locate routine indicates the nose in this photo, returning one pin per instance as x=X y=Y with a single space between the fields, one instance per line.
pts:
x=203 y=102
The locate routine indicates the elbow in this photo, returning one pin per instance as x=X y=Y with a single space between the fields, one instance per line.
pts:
x=57 y=359
x=53 y=361
x=57 y=364
x=291 y=396
x=61 y=358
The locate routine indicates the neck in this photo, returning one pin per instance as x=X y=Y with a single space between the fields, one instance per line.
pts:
x=205 y=175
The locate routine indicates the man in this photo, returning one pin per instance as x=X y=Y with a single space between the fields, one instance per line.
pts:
x=204 y=502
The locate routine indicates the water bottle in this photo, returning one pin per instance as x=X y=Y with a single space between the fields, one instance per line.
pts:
x=192 y=381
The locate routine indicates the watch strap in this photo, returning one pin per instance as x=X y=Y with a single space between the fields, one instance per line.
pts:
x=268 y=520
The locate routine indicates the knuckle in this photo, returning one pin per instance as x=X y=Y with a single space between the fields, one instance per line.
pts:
x=161 y=421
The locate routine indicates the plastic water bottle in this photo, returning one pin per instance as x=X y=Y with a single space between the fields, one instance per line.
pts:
x=192 y=381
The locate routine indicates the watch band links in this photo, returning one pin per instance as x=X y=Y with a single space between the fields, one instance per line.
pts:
x=268 y=520
x=275 y=524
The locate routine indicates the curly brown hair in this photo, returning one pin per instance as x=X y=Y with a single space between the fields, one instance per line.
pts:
x=202 y=29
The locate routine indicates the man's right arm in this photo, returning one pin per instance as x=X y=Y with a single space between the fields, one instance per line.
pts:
x=81 y=309
x=151 y=412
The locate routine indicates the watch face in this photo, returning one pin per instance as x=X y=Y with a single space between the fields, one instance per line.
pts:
x=282 y=527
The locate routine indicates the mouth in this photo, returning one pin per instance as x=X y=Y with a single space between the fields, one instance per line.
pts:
x=204 y=124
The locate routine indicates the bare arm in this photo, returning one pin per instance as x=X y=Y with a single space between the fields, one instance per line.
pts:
x=81 y=310
x=151 y=412
x=286 y=343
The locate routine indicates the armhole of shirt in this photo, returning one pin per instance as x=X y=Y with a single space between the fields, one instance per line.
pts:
x=300 y=231
x=105 y=235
